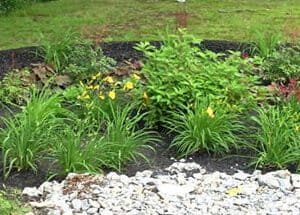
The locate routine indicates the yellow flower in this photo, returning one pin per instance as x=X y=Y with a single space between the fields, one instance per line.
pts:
x=96 y=76
x=210 y=112
x=109 y=79
x=234 y=191
x=96 y=87
x=112 y=94
x=136 y=77
x=128 y=85
x=145 y=96
x=86 y=97
x=90 y=87
x=101 y=96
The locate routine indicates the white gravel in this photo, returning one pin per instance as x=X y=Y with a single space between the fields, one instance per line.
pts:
x=182 y=188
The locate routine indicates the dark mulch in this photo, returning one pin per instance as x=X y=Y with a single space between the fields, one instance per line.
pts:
x=120 y=51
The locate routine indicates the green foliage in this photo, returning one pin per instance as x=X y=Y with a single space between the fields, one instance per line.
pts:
x=7 y=6
x=282 y=65
x=179 y=73
x=15 y=87
x=26 y=136
x=75 y=56
x=74 y=151
x=204 y=127
x=114 y=142
x=9 y=204
x=266 y=43
x=277 y=135
x=124 y=138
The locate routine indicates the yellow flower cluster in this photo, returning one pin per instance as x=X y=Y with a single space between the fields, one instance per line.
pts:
x=108 y=86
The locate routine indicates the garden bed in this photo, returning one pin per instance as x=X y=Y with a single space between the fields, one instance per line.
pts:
x=130 y=75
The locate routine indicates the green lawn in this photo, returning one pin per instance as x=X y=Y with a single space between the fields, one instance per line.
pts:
x=144 y=19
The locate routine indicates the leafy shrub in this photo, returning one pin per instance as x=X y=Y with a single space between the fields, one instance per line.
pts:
x=282 y=65
x=283 y=92
x=15 y=87
x=277 y=136
x=204 y=127
x=177 y=74
x=27 y=135
x=9 y=204
x=75 y=56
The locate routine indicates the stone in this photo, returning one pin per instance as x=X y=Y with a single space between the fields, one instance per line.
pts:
x=241 y=176
x=76 y=204
x=276 y=180
x=295 y=178
x=174 y=190
x=31 y=192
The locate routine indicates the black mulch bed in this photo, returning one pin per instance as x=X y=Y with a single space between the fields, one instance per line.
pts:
x=120 y=51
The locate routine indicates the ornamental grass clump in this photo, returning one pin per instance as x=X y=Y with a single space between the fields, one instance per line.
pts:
x=277 y=136
x=205 y=127
x=107 y=143
x=26 y=137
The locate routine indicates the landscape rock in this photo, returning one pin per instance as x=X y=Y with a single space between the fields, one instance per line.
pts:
x=182 y=188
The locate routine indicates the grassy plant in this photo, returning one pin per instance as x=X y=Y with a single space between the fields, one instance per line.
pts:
x=108 y=142
x=74 y=151
x=71 y=54
x=266 y=43
x=123 y=137
x=277 y=136
x=57 y=50
x=204 y=127
x=26 y=136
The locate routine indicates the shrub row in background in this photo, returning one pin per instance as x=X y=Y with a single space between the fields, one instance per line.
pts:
x=210 y=102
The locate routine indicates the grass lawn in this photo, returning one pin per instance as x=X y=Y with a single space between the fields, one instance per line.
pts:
x=144 y=19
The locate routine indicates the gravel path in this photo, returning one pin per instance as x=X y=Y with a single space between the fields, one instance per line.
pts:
x=182 y=188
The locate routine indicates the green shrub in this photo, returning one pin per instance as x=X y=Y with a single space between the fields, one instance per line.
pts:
x=277 y=136
x=15 y=87
x=27 y=136
x=75 y=56
x=204 y=127
x=177 y=74
x=282 y=65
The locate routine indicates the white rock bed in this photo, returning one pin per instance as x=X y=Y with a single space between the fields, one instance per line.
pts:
x=182 y=188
